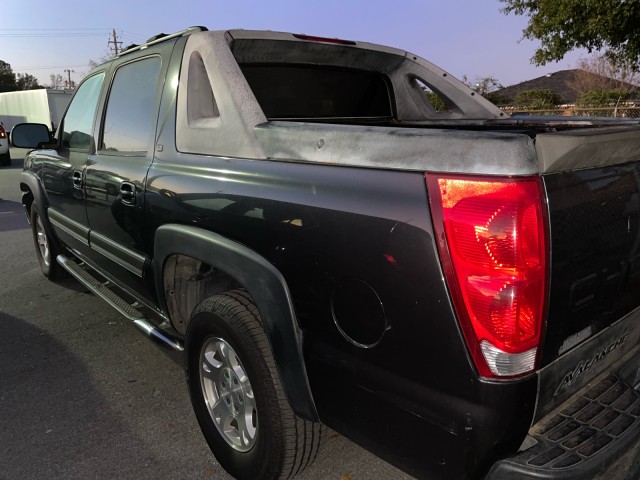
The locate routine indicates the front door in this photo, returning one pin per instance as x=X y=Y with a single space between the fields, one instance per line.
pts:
x=61 y=170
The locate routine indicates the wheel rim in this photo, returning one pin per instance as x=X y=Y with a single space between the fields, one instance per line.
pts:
x=228 y=394
x=43 y=242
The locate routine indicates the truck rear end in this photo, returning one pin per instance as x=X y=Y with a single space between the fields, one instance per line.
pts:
x=466 y=285
x=542 y=273
x=588 y=408
x=481 y=322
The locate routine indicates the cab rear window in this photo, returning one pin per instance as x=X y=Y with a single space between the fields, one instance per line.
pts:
x=307 y=92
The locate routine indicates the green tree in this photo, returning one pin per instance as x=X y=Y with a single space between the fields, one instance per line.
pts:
x=24 y=81
x=498 y=98
x=601 y=98
x=436 y=102
x=7 y=78
x=562 y=26
x=9 y=81
x=537 y=99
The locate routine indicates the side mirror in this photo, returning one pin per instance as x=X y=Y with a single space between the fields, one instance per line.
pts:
x=30 y=135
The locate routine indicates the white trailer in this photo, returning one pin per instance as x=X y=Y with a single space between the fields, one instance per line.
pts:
x=33 y=106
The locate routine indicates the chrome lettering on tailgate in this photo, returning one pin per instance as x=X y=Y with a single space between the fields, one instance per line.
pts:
x=585 y=365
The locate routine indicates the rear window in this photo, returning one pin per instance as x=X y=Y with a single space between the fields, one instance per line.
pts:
x=307 y=92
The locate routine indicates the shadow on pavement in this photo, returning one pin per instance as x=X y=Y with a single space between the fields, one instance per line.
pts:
x=12 y=216
x=16 y=163
x=56 y=422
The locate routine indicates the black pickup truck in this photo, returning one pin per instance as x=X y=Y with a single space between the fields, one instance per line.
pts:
x=454 y=289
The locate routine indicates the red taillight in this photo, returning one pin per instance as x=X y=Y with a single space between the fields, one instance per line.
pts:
x=2 y=132
x=493 y=245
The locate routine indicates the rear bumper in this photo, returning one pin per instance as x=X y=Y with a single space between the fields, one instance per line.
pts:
x=595 y=434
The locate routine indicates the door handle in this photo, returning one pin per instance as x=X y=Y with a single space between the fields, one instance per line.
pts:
x=128 y=193
x=77 y=179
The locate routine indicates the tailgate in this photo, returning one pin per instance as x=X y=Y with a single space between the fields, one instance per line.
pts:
x=594 y=211
x=587 y=418
x=595 y=245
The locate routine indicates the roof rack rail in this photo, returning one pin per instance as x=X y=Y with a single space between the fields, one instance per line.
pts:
x=161 y=37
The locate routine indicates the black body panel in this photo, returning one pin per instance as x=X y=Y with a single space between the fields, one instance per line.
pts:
x=595 y=250
x=321 y=227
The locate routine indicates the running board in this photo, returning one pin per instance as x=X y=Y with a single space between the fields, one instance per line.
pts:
x=117 y=302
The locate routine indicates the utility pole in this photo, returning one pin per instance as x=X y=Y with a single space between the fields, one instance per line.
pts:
x=116 y=43
x=70 y=84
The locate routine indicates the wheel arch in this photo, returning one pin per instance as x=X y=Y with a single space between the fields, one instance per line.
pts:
x=30 y=186
x=32 y=194
x=264 y=283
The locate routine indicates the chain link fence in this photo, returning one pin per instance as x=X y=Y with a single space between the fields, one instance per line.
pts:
x=619 y=112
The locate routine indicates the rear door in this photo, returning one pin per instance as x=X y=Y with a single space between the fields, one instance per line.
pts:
x=116 y=173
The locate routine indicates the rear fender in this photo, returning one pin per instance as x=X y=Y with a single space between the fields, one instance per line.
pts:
x=267 y=287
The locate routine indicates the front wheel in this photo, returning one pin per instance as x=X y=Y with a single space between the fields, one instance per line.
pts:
x=46 y=249
x=237 y=395
x=5 y=159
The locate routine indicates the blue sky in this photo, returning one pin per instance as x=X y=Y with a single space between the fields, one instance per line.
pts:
x=462 y=36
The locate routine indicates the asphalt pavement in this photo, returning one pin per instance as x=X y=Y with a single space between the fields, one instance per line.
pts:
x=83 y=395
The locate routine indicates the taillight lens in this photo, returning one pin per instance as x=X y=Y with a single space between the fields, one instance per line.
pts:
x=2 y=132
x=492 y=240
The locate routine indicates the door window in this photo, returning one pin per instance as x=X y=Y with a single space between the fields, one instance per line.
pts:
x=78 y=122
x=129 y=119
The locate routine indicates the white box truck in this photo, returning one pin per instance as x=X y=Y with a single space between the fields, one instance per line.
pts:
x=33 y=106
x=30 y=106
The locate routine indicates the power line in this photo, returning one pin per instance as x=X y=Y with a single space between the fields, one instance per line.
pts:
x=52 y=67
x=42 y=29
x=62 y=32
x=131 y=34
x=50 y=35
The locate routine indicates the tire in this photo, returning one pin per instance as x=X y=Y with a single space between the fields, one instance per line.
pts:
x=229 y=365
x=5 y=159
x=46 y=249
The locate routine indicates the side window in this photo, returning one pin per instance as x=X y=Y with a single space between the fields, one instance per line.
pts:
x=129 y=118
x=78 y=121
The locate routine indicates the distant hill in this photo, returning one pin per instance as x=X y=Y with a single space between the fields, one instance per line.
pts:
x=568 y=84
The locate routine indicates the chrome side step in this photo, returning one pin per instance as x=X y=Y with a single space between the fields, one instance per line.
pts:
x=117 y=302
